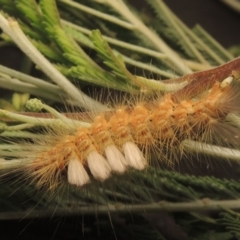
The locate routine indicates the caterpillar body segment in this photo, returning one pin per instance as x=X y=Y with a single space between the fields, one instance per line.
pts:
x=122 y=139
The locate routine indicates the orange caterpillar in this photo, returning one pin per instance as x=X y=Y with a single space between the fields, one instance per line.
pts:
x=121 y=139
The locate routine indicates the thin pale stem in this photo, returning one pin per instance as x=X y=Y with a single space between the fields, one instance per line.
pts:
x=211 y=150
x=148 y=67
x=26 y=119
x=98 y=14
x=234 y=4
x=158 y=43
x=20 y=127
x=181 y=33
x=32 y=80
x=21 y=134
x=55 y=113
x=234 y=119
x=12 y=164
x=200 y=42
x=16 y=85
x=197 y=66
x=196 y=206
x=118 y=42
x=214 y=42
x=163 y=86
x=139 y=49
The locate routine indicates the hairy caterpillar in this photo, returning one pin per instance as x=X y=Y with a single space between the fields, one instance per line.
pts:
x=121 y=139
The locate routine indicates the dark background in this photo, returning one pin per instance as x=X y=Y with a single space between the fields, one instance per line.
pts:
x=218 y=19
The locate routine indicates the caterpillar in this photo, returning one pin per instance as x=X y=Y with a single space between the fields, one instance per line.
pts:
x=122 y=138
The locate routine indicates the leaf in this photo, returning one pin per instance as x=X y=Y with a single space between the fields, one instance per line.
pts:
x=29 y=9
x=231 y=222
x=115 y=63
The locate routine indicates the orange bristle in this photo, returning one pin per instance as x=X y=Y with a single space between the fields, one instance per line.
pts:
x=123 y=138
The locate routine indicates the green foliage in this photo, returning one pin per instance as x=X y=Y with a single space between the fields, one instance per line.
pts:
x=115 y=63
x=53 y=54
x=210 y=185
x=194 y=44
x=53 y=41
x=50 y=14
x=135 y=187
x=30 y=10
x=231 y=221
x=78 y=36
x=53 y=28
x=89 y=57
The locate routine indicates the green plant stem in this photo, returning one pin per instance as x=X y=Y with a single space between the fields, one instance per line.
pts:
x=21 y=134
x=98 y=14
x=63 y=118
x=118 y=43
x=234 y=119
x=16 y=85
x=211 y=150
x=234 y=4
x=29 y=79
x=13 y=164
x=42 y=121
x=214 y=42
x=204 y=218
x=197 y=66
x=19 y=127
x=148 y=67
x=194 y=206
x=55 y=113
x=193 y=65
x=163 y=86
